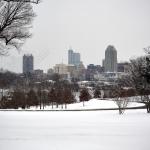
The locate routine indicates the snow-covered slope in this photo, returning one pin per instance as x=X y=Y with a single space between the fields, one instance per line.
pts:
x=91 y=104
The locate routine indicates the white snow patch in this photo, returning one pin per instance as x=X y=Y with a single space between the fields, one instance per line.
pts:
x=90 y=130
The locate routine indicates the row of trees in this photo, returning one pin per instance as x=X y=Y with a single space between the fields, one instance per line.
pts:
x=24 y=94
x=59 y=92
x=41 y=98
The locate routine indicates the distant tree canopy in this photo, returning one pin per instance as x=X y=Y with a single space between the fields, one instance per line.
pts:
x=15 y=20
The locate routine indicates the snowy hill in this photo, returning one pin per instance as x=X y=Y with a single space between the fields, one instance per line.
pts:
x=91 y=104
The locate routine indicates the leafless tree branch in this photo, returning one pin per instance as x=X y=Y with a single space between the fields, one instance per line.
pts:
x=15 y=21
x=147 y=50
x=25 y=1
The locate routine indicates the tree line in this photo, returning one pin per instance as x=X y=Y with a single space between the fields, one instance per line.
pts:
x=23 y=93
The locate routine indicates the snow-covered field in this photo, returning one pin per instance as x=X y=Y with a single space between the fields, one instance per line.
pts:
x=86 y=130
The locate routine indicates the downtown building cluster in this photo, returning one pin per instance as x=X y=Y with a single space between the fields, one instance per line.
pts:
x=76 y=71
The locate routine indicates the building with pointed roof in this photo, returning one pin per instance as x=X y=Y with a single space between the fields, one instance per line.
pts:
x=110 y=63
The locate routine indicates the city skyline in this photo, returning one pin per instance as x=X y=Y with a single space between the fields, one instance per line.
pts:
x=89 y=27
x=23 y=62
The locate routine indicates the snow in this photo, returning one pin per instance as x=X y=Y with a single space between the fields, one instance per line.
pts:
x=91 y=104
x=86 y=130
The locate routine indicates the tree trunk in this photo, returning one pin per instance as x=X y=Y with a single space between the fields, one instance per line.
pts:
x=148 y=107
x=52 y=105
x=65 y=106
x=56 y=105
x=43 y=105
x=83 y=103
x=40 y=103
x=120 y=111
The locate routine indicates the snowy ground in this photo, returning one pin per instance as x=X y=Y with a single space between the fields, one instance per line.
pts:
x=91 y=104
x=89 y=130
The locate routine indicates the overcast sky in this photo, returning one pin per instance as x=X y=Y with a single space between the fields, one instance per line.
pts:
x=88 y=26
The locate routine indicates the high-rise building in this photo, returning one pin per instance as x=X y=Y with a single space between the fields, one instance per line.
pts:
x=28 y=63
x=73 y=58
x=103 y=63
x=61 y=69
x=110 y=62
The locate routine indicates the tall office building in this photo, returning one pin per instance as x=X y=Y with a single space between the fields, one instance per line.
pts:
x=110 y=62
x=28 y=63
x=73 y=58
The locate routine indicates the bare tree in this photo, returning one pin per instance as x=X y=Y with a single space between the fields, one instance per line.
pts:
x=120 y=95
x=139 y=74
x=121 y=102
x=15 y=21
x=147 y=50
x=25 y=1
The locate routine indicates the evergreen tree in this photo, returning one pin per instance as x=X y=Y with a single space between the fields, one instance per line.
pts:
x=97 y=93
x=68 y=97
x=84 y=95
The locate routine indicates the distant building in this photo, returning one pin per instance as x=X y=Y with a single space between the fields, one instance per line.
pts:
x=73 y=58
x=38 y=72
x=72 y=70
x=123 y=67
x=93 y=70
x=50 y=71
x=60 y=69
x=28 y=63
x=103 y=63
x=110 y=62
x=80 y=72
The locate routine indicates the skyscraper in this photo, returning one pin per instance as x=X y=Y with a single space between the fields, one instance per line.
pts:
x=73 y=58
x=28 y=63
x=110 y=62
x=70 y=56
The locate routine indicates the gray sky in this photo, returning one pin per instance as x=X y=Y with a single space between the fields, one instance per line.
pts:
x=88 y=26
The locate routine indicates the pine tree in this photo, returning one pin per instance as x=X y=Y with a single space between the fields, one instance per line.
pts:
x=84 y=95
x=97 y=93
x=68 y=97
